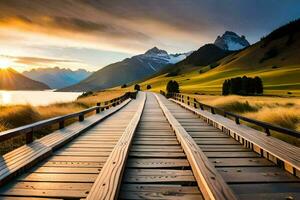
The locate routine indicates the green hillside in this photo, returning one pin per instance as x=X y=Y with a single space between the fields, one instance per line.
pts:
x=276 y=59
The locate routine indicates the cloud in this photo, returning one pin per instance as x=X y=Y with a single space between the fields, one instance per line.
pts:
x=37 y=60
x=136 y=25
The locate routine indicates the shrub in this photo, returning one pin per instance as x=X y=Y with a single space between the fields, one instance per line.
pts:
x=173 y=73
x=85 y=94
x=137 y=87
x=213 y=65
x=172 y=87
x=148 y=87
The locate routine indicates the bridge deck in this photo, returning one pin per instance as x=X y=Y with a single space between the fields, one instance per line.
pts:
x=159 y=165
x=248 y=174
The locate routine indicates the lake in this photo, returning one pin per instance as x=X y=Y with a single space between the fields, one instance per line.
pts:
x=36 y=98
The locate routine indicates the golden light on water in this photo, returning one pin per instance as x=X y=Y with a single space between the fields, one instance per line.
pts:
x=5 y=97
x=5 y=63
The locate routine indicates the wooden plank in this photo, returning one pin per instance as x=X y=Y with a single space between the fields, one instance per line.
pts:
x=107 y=183
x=235 y=162
x=157 y=163
x=45 y=177
x=157 y=154
x=236 y=154
x=209 y=180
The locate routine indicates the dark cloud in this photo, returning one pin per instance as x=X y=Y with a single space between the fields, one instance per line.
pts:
x=144 y=22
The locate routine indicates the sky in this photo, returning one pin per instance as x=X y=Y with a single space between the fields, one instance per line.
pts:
x=91 y=34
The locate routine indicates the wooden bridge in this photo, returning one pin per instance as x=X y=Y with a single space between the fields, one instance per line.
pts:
x=149 y=147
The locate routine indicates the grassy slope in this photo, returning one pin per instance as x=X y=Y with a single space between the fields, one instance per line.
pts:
x=276 y=81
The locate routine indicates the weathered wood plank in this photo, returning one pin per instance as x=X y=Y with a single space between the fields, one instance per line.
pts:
x=107 y=184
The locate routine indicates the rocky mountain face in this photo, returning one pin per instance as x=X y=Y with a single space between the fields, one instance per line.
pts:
x=231 y=41
x=13 y=80
x=129 y=70
x=56 y=77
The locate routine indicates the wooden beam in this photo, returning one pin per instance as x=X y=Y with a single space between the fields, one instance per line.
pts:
x=210 y=182
x=108 y=182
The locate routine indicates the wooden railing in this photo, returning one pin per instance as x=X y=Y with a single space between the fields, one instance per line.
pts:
x=28 y=130
x=191 y=101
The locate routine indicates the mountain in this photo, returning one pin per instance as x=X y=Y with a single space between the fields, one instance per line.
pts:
x=275 y=58
x=205 y=55
x=231 y=41
x=129 y=70
x=13 y=80
x=57 y=77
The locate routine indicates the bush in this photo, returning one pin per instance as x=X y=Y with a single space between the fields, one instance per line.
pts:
x=137 y=87
x=148 y=87
x=85 y=94
x=243 y=86
x=124 y=86
x=173 y=73
x=213 y=65
x=172 y=87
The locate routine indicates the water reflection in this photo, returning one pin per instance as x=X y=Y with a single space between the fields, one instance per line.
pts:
x=36 y=97
x=5 y=97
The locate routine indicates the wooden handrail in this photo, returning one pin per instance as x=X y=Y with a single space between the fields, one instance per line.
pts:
x=210 y=182
x=30 y=128
x=266 y=126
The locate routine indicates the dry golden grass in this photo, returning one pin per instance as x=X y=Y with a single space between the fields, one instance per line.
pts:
x=284 y=112
x=280 y=111
x=12 y=116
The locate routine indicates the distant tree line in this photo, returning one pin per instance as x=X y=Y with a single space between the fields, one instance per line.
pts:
x=243 y=86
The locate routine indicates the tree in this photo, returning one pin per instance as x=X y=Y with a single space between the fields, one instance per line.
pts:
x=137 y=87
x=148 y=87
x=124 y=86
x=172 y=87
x=225 y=89
x=259 y=88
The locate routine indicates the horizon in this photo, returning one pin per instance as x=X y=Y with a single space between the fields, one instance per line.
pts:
x=39 y=36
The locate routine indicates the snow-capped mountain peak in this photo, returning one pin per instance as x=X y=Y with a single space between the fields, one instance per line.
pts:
x=162 y=56
x=231 y=41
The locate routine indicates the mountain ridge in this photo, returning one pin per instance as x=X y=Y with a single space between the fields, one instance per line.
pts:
x=13 y=80
x=128 y=70
x=56 y=77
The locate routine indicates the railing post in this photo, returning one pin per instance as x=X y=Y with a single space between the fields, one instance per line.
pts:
x=268 y=131
x=212 y=110
x=201 y=107
x=62 y=124
x=237 y=120
x=29 y=137
x=98 y=109
x=81 y=117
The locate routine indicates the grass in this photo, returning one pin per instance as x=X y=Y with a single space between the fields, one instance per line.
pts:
x=13 y=116
x=284 y=112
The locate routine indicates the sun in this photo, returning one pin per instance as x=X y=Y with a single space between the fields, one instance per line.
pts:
x=5 y=63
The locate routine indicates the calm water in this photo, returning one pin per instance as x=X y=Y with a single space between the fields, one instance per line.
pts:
x=36 y=98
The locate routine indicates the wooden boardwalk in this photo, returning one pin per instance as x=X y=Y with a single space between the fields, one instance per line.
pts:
x=152 y=148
